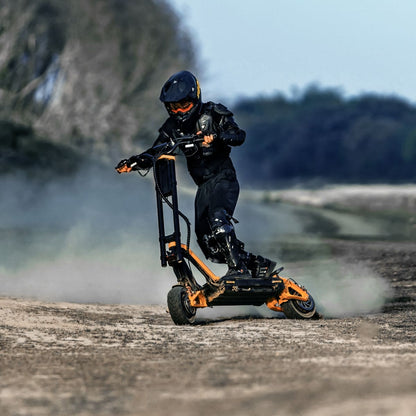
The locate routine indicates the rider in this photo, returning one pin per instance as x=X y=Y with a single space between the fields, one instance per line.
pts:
x=211 y=169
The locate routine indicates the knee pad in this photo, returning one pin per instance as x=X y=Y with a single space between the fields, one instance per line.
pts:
x=209 y=247
x=221 y=230
x=218 y=213
x=218 y=219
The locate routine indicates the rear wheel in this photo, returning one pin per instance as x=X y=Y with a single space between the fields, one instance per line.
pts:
x=180 y=309
x=297 y=309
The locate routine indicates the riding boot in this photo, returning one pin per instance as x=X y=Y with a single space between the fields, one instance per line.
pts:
x=260 y=267
x=231 y=249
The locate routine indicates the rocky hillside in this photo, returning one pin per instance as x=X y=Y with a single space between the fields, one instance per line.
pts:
x=86 y=75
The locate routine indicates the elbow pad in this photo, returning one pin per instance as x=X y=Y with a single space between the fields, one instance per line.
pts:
x=233 y=138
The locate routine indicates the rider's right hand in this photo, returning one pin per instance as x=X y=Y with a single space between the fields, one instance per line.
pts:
x=133 y=163
x=123 y=166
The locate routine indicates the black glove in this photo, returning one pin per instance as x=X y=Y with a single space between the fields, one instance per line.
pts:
x=142 y=161
x=137 y=162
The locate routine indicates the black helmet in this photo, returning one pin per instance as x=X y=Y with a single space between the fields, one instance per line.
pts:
x=182 y=96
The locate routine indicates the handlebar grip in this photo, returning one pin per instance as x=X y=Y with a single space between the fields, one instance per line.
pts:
x=124 y=169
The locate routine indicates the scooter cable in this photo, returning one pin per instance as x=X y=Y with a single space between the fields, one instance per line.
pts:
x=170 y=205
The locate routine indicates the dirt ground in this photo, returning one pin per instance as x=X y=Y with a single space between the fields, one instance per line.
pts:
x=92 y=359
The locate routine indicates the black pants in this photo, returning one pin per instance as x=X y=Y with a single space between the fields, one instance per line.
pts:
x=215 y=198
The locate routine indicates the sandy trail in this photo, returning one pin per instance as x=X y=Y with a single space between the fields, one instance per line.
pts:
x=92 y=359
x=129 y=359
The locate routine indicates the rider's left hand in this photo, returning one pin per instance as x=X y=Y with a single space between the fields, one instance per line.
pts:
x=208 y=138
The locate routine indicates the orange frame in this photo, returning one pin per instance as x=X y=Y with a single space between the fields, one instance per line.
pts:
x=198 y=299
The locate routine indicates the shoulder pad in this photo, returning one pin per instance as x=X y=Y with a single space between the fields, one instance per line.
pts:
x=222 y=110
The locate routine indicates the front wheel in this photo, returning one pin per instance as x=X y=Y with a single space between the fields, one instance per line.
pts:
x=180 y=309
x=296 y=309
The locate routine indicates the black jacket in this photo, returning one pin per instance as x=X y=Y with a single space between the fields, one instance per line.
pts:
x=206 y=162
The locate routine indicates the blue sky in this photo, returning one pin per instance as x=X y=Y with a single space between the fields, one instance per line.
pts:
x=264 y=46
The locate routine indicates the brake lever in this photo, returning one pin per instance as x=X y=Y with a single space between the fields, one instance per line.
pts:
x=186 y=141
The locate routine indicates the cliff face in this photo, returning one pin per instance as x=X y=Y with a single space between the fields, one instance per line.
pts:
x=87 y=74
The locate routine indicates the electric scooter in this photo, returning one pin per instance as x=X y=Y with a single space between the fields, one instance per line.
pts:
x=187 y=296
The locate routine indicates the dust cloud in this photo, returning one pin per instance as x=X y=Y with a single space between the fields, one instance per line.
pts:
x=341 y=289
x=93 y=238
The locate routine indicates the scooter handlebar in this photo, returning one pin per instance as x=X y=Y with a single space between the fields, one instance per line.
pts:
x=145 y=160
x=184 y=141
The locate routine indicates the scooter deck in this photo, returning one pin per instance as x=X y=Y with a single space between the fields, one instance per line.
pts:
x=244 y=290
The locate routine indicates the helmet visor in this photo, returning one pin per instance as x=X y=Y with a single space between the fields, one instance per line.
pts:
x=180 y=107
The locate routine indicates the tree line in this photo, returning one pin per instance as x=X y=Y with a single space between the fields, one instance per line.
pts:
x=323 y=136
x=80 y=79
